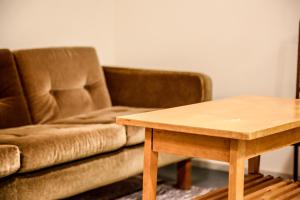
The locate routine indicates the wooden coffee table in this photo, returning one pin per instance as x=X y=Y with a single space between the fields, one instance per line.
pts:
x=230 y=130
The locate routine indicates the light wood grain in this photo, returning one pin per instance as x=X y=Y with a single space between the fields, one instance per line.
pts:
x=265 y=190
x=191 y=145
x=236 y=170
x=295 y=193
x=223 y=192
x=271 y=142
x=263 y=185
x=260 y=188
x=150 y=168
x=230 y=130
x=276 y=190
x=246 y=117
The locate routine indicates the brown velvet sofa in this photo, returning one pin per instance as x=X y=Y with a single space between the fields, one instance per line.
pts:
x=58 y=135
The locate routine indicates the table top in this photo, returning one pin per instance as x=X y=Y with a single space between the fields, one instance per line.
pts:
x=242 y=117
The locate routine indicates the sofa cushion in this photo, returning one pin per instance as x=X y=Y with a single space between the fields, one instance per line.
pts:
x=61 y=82
x=47 y=145
x=135 y=135
x=13 y=108
x=9 y=159
x=76 y=177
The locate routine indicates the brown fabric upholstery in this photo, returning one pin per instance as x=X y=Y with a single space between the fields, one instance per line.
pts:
x=102 y=116
x=13 y=108
x=156 y=89
x=135 y=135
x=80 y=176
x=67 y=89
x=47 y=145
x=61 y=82
x=9 y=160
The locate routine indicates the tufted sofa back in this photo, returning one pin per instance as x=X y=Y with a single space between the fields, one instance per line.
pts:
x=61 y=82
x=13 y=108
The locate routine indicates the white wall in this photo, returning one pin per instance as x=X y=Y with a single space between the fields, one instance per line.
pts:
x=36 y=23
x=247 y=47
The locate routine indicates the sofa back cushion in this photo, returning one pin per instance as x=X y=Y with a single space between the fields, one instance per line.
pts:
x=13 y=108
x=61 y=82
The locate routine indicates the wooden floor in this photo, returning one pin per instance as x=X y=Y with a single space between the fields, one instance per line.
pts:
x=259 y=187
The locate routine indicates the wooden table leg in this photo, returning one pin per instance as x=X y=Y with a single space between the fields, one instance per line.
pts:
x=184 y=178
x=150 y=167
x=253 y=165
x=236 y=170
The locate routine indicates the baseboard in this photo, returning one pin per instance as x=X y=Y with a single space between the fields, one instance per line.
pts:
x=222 y=166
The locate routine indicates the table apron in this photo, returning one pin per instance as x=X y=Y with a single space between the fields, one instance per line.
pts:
x=217 y=148
x=278 y=140
x=193 y=145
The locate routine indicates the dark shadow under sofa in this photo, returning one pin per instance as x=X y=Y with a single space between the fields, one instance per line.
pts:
x=58 y=134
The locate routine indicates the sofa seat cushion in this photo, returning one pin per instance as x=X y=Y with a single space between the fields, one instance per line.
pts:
x=47 y=145
x=9 y=160
x=135 y=135
x=66 y=180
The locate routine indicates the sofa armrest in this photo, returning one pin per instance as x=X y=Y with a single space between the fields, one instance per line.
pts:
x=155 y=88
x=9 y=160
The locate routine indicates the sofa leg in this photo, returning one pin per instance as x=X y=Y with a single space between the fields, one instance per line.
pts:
x=253 y=165
x=184 y=179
